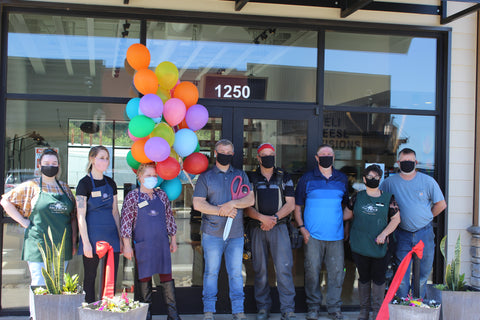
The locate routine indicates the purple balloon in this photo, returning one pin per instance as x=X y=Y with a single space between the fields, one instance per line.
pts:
x=151 y=105
x=157 y=149
x=197 y=117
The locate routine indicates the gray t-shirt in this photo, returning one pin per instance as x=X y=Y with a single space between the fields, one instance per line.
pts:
x=415 y=199
x=215 y=186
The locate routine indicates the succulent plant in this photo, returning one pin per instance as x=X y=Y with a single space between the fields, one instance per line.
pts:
x=454 y=281
x=54 y=261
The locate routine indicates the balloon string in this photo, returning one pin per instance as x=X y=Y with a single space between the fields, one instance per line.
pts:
x=189 y=179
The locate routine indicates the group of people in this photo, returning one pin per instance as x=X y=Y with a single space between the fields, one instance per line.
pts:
x=326 y=215
x=401 y=209
x=146 y=225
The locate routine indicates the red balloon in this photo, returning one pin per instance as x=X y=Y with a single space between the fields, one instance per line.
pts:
x=195 y=163
x=168 y=169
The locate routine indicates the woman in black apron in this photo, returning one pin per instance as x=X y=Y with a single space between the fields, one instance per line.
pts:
x=375 y=216
x=98 y=218
x=148 y=222
x=39 y=204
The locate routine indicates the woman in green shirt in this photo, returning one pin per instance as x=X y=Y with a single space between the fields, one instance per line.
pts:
x=375 y=215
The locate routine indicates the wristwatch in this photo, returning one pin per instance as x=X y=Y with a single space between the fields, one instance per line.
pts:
x=275 y=215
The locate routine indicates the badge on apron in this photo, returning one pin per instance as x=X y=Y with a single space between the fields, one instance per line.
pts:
x=143 y=204
x=96 y=194
x=153 y=213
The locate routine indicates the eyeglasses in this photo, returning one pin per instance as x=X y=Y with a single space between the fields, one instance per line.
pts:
x=369 y=177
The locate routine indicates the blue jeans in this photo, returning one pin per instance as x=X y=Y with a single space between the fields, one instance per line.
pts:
x=213 y=249
x=405 y=242
x=277 y=241
x=316 y=252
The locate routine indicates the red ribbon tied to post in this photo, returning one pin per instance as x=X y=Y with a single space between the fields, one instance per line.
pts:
x=397 y=279
x=108 y=285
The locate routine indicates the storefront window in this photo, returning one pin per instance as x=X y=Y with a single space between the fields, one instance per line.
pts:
x=365 y=70
x=229 y=62
x=360 y=138
x=69 y=55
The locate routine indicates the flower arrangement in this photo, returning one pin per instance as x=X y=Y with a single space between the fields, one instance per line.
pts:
x=416 y=302
x=116 y=304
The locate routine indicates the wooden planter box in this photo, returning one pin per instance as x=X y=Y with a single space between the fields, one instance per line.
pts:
x=399 y=312
x=56 y=306
x=135 y=314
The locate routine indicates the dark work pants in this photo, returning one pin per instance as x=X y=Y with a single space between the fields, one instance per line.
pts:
x=370 y=269
x=90 y=266
x=277 y=241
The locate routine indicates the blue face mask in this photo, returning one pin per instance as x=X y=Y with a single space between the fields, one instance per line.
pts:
x=150 y=182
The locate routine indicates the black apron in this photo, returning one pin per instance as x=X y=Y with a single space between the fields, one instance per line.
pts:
x=54 y=211
x=151 y=243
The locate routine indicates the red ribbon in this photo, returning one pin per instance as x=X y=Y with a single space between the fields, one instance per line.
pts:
x=397 y=279
x=108 y=285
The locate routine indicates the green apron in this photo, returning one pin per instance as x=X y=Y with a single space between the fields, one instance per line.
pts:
x=370 y=217
x=50 y=210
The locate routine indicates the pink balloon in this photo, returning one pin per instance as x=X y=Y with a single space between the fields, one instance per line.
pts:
x=157 y=149
x=131 y=136
x=196 y=117
x=174 y=111
x=151 y=105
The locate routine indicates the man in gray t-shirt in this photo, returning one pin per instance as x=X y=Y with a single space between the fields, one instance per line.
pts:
x=420 y=200
x=213 y=198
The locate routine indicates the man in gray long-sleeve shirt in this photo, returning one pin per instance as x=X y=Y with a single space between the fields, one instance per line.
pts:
x=212 y=197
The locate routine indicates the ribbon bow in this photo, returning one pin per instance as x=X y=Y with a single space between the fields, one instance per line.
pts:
x=108 y=285
x=397 y=279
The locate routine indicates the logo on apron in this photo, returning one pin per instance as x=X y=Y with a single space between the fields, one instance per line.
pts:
x=153 y=213
x=58 y=207
x=370 y=209
x=105 y=195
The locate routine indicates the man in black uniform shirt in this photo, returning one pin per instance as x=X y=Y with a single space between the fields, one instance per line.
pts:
x=274 y=201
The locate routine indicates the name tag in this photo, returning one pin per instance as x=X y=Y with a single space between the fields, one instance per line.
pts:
x=379 y=204
x=96 y=194
x=143 y=204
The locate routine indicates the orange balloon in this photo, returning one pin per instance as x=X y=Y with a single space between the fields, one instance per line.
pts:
x=145 y=81
x=138 y=151
x=187 y=92
x=183 y=124
x=138 y=56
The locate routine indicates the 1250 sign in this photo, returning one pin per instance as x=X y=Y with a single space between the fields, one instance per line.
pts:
x=234 y=87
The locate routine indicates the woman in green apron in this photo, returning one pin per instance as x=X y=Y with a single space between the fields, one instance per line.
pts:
x=375 y=216
x=39 y=204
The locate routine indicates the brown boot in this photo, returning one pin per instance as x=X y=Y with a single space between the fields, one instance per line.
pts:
x=378 y=293
x=364 y=291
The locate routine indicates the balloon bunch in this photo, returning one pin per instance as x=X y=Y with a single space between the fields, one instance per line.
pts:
x=163 y=122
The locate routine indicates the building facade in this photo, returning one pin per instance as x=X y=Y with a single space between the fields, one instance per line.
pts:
x=369 y=84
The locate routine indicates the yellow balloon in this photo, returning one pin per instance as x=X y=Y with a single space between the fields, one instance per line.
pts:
x=167 y=75
x=163 y=130
x=164 y=94
x=174 y=155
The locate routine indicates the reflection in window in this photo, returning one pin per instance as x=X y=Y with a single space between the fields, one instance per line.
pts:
x=364 y=70
x=360 y=138
x=266 y=64
x=69 y=55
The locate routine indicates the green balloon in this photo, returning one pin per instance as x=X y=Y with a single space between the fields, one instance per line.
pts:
x=134 y=164
x=197 y=148
x=141 y=126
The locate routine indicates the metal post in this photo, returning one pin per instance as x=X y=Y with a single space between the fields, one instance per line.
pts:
x=416 y=276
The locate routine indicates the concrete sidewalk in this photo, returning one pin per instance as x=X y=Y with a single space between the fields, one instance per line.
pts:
x=273 y=316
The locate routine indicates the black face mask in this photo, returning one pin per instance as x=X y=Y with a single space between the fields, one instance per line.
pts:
x=407 y=166
x=224 y=159
x=268 y=161
x=372 y=183
x=49 y=171
x=325 y=161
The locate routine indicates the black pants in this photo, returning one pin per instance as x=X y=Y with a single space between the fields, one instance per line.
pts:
x=370 y=269
x=90 y=269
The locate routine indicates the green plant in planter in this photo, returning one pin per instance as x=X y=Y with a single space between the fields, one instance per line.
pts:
x=56 y=280
x=454 y=281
